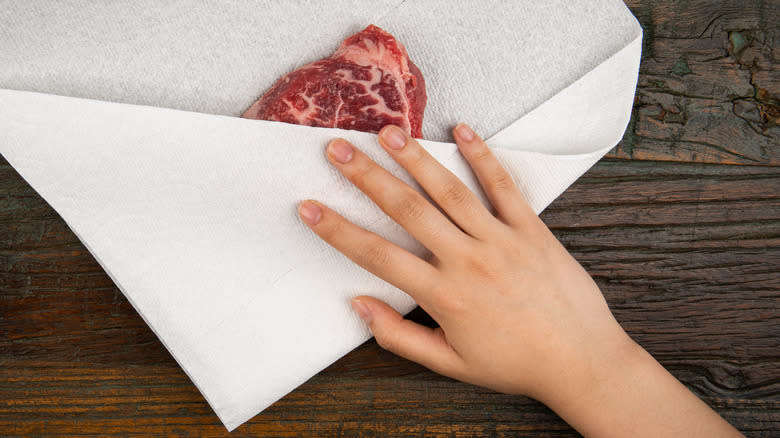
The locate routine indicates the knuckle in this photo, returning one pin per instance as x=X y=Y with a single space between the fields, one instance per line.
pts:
x=410 y=206
x=331 y=228
x=452 y=304
x=416 y=158
x=445 y=300
x=388 y=339
x=501 y=181
x=376 y=253
x=482 y=153
x=482 y=267
x=454 y=194
x=362 y=174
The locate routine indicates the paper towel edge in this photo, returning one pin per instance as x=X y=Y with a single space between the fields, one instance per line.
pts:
x=232 y=424
x=619 y=134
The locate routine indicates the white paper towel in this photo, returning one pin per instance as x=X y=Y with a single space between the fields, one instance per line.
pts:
x=193 y=214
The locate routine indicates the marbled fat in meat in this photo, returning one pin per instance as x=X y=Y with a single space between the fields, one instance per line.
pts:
x=367 y=83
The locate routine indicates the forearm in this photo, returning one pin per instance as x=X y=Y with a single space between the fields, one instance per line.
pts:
x=631 y=394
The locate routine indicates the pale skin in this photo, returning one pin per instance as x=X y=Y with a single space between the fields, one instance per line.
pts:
x=516 y=312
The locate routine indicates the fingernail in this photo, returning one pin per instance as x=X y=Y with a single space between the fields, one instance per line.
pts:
x=340 y=150
x=464 y=132
x=394 y=137
x=362 y=310
x=310 y=212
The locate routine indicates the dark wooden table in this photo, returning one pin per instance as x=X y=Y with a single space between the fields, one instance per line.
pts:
x=679 y=225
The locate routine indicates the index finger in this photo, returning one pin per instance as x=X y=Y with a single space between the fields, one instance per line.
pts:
x=372 y=252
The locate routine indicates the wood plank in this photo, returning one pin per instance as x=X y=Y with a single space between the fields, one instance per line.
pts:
x=689 y=276
x=709 y=86
x=156 y=400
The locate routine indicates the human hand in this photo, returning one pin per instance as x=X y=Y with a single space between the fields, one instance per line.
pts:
x=515 y=310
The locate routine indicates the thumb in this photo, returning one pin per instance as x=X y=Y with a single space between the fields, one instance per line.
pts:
x=418 y=343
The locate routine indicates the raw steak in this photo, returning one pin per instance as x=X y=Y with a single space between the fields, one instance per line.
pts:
x=368 y=83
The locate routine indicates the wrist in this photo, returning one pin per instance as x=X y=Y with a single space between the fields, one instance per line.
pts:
x=626 y=392
x=587 y=393
x=581 y=383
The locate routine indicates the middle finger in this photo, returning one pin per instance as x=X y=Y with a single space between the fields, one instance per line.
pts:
x=396 y=198
x=446 y=189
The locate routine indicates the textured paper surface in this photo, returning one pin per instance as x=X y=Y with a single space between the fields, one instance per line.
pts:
x=485 y=62
x=192 y=213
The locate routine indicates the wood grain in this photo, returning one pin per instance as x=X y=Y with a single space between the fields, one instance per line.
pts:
x=680 y=227
x=708 y=84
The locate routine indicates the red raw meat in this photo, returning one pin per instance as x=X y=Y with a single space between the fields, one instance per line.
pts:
x=368 y=83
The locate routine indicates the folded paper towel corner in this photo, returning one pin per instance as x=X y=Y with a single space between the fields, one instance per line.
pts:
x=191 y=210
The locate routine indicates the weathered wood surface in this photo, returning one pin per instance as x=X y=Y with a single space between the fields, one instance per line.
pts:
x=709 y=81
x=680 y=226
